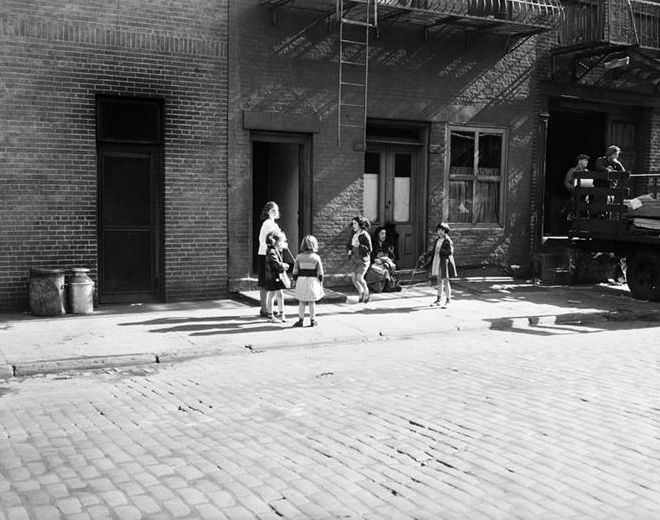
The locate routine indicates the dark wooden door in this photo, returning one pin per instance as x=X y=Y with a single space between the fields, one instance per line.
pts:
x=128 y=223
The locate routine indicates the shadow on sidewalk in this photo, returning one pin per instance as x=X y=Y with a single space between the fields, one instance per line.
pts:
x=389 y=305
x=171 y=321
x=242 y=324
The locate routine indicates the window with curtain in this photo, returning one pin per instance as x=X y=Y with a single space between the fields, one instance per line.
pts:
x=476 y=158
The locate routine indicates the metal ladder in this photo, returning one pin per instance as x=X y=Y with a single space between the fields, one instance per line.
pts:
x=356 y=18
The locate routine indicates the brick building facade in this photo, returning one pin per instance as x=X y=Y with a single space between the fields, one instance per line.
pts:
x=155 y=73
x=141 y=139
x=430 y=95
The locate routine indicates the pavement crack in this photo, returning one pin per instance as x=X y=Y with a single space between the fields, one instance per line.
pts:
x=324 y=374
x=323 y=453
x=275 y=510
x=402 y=452
x=445 y=463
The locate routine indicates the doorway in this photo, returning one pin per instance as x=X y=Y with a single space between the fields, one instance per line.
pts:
x=281 y=172
x=391 y=193
x=570 y=133
x=129 y=136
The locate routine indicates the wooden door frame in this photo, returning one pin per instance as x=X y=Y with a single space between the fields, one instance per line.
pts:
x=305 y=180
x=418 y=184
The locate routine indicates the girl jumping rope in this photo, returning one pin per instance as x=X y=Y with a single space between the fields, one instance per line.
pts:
x=308 y=274
x=443 y=266
x=359 y=252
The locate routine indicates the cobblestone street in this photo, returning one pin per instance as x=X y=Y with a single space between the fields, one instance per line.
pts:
x=560 y=424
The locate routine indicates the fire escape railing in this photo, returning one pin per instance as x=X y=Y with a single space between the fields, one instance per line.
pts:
x=516 y=16
x=618 y=22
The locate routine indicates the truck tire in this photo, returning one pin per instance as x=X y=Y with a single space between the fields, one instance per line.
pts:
x=643 y=276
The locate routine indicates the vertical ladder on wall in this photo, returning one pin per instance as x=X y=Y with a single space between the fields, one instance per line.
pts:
x=356 y=18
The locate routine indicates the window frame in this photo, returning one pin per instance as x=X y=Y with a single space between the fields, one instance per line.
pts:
x=474 y=177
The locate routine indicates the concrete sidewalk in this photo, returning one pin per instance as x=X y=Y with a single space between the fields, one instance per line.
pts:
x=160 y=333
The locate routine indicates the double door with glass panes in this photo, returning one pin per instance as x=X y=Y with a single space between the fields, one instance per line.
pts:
x=389 y=196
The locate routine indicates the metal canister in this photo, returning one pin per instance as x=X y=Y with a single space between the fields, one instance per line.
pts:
x=81 y=291
x=47 y=292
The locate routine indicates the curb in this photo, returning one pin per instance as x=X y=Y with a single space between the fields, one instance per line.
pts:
x=85 y=363
x=32 y=368
x=6 y=371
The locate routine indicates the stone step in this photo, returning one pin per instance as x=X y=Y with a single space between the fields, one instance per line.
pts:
x=252 y=296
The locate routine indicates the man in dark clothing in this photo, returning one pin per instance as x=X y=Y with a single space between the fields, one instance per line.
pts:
x=607 y=163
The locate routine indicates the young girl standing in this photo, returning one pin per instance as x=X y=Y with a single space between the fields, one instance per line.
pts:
x=269 y=214
x=359 y=252
x=308 y=273
x=274 y=267
x=443 y=266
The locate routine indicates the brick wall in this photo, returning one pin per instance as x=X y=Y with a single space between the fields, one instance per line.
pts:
x=649 y=142
x=290 y=67
x=56 y=58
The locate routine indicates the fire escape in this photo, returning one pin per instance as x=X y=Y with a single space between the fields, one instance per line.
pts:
x=602 y=40
x=358 y=20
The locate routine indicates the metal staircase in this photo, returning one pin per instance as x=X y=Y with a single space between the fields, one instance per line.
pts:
x=356 y=19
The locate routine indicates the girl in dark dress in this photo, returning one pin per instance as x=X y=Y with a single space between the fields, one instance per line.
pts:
x=443 y=267
x=274 y=267
x=359 y=255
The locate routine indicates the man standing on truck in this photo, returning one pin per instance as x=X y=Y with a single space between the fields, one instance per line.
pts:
x=610 y=163
x=581 y=165
x=607 y=163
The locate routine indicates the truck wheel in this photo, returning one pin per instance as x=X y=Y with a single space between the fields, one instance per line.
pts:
x=643 y=275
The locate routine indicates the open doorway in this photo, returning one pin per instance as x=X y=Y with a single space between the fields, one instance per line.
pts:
x=570 y=132
x=281 y=173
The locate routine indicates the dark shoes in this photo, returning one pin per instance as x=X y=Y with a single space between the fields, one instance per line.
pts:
x=299 y=323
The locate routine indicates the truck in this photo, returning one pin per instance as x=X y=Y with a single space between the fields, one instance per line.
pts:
x=618 y=212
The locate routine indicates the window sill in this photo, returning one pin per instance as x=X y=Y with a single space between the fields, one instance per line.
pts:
x=476 y=227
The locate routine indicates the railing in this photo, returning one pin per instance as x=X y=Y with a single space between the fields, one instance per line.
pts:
x=541 y=13
x=584 y=23
x=604 y=202
x=645 y=184
x=647 y=22
x=626 y=22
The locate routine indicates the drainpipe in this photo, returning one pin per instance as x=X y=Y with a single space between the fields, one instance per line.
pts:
x=538 y=185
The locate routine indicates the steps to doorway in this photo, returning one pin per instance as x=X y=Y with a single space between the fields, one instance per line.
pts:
x=252 y=297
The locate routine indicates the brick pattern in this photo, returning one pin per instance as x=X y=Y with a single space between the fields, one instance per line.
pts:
x=55 y=60
x=291 y=67
x=478 y=427
x=649 y=142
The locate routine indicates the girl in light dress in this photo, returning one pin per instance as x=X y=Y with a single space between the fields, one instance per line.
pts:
x=269 y=214
x=308 y=274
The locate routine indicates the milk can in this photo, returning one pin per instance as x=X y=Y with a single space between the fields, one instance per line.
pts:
x=81 y=291
x=47 y=292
